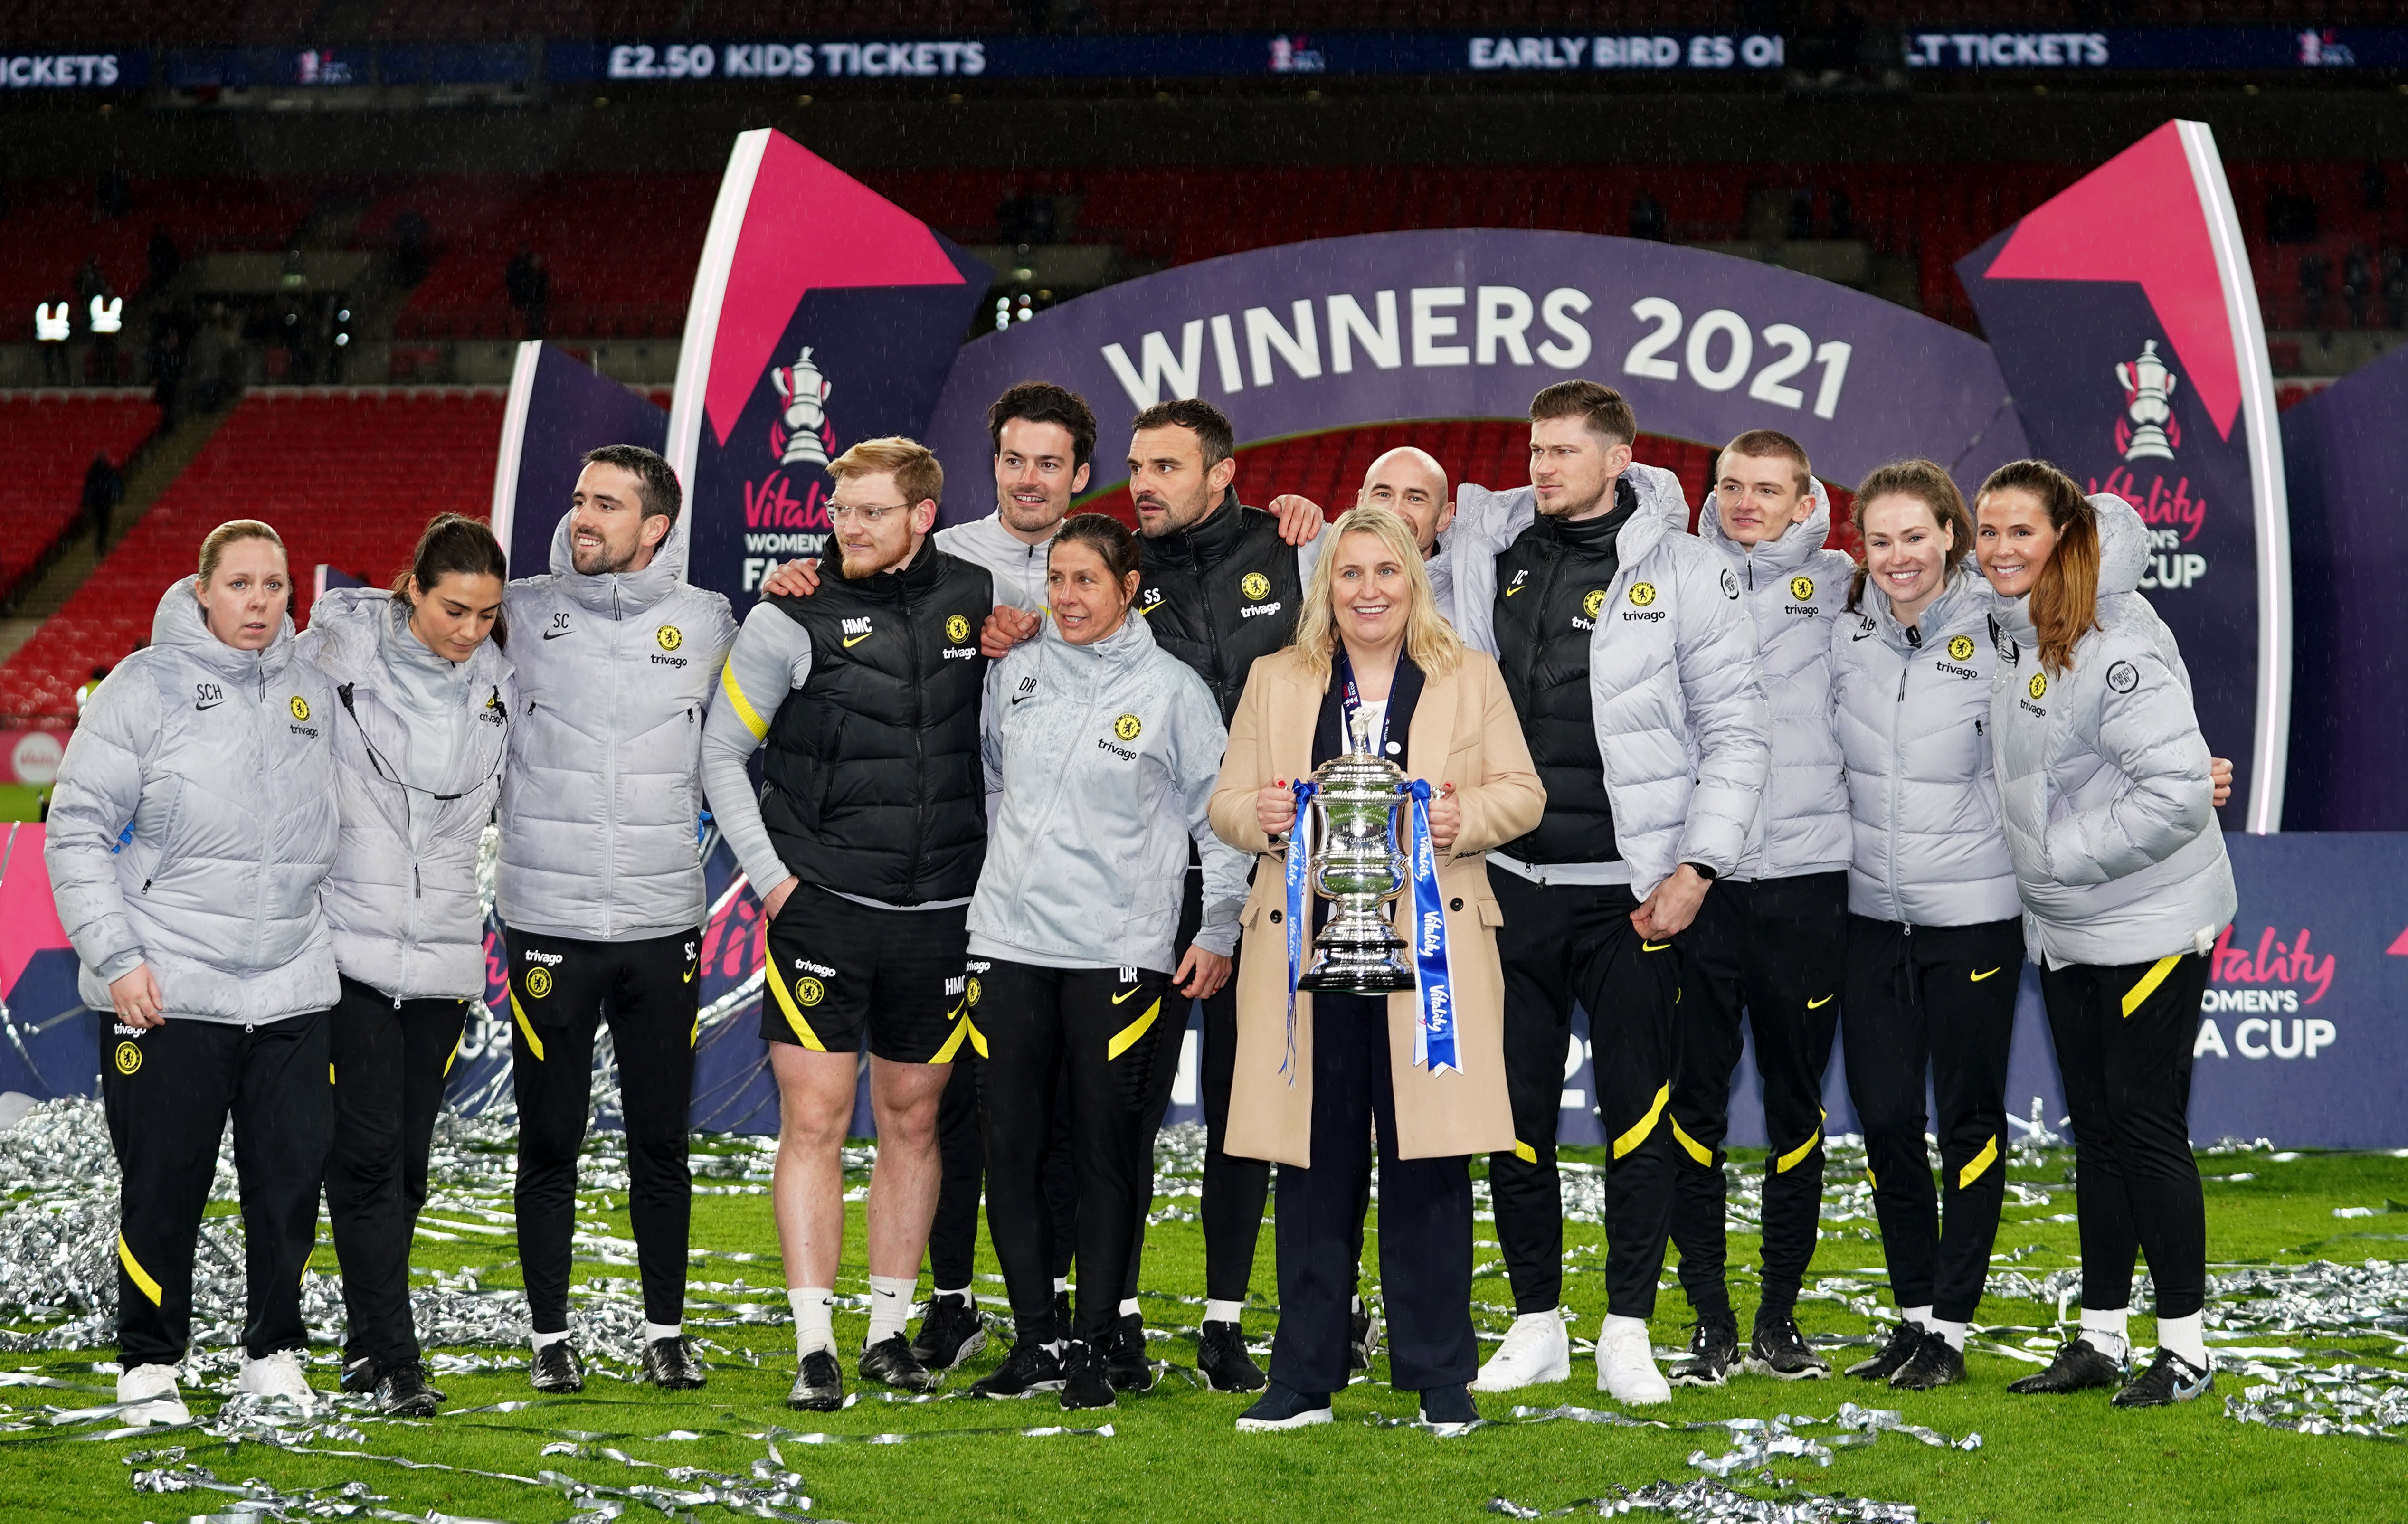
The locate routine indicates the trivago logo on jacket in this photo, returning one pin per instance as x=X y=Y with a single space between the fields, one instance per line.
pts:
x=2269 y=986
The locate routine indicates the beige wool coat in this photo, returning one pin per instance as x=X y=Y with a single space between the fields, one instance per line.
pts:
x=1464 y=730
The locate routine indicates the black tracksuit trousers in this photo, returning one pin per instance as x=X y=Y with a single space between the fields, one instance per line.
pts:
x=2124 y=1038
x=389 y=1060
x=952 y=1233
x=1425 y=1223
x=1103 y=1029
x=648 y=991
x=1560 y=944
x=1774 y=949
x=168 y=1092
x=1935 y=1000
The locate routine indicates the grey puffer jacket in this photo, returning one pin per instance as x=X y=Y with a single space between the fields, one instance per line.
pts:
x=1673 y=683
x=220 y=765
x=1913 y=719
x=1794 y=591
x=401 y=899
x=2104 y=779
x=602 y=792
x=1101 y=765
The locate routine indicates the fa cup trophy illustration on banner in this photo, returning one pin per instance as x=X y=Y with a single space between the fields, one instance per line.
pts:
x=805 y=393
x=2148 y=396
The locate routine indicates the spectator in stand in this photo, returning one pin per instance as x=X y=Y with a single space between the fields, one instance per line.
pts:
x=1648 y=219
x=2395 y=285
x=83 y=694
x=89 y=282
x=1843 y=217
x=409 y=256
x=2315 y=281
x=2357 y=282
x=103 y=489
x=168 y=356
x=528 y=283
x=165 y=258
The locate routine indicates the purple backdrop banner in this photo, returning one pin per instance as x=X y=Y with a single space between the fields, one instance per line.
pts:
x=558 y=410
x=1390 y=327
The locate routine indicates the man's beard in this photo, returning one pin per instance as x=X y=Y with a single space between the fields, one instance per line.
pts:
x=604 y=566
x=1571 y=509
x=863 y=563
x=1170 y=519
x=1028 y=521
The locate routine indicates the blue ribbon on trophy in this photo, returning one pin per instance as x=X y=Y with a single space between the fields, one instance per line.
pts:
x=1433 y=1044
x=1300 y=906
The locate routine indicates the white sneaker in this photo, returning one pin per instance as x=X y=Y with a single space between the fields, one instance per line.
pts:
x=277 y=1376
x=1625 y=1367
x=1537 y=1349
x=154 y=1387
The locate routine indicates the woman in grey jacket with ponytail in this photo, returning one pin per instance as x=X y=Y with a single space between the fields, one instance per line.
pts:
x=2109 y=796
x=193 y=822
x=425 y=694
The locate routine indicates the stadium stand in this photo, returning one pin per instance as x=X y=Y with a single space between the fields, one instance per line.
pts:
x=55 y=224
x=50 y=438
x=404 y=455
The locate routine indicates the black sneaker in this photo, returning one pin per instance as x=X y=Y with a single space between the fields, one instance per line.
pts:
x=1086 y=1377
x=953 y=1332
x=557 y=1368
x=1362 y=1337
x=1220 y=1355
x=2169 y=1379
x=670 y=1364
x=1449 y=1409
x=1280 y=1408
x=1934 y=1364
x=1714 y=1349
x=360 y=1374
x=2079 y=1366
x=1777 y=1349
x=402 y=1393
x=1125 y=1354
x=1029 y=1368
x=1903 y=1341
x=819 y=1384
x=892 y=1362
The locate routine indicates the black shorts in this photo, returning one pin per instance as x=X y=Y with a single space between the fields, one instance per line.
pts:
x=836 y=968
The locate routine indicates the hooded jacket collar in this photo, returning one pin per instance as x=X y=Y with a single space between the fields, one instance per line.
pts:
x=2123 y=557
x=1130 y=643
x=917 y=574
x=361 y=630
x=1777 y=557
x=1212 y=538
x=177 y=624
x=1965 y=602
x=1641 y=529
x=618 y=595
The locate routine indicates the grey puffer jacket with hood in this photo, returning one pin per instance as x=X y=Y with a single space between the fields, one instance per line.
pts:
x=1913 y=719
x=1101 y=764
x=2104 y=778
x=402 y=899
x=1674 y=683
x=193 y=822
x=602 y=792
x=1794 y=591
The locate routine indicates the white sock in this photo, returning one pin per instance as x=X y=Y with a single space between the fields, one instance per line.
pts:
x=1355 y=1306
x=2104 y=1332
x=1128 y=1305
x=1061 y=1284
x=1953 y=1332
x=1220 y=1312
x=814 y=1319
x=2184 y=1336
x=544 y=1341
x=654 y=1333
x=890 y=1306
x=1615 y=1324
x=1921 y=1315
x=960 y=1294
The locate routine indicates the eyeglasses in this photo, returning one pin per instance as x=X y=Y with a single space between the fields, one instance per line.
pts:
x=870 y=517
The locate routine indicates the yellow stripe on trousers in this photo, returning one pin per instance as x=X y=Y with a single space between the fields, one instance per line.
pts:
x=2148 y=984
x=1695 y=1149
x=1638 y=1134
x=134 y=1269
x=535 y=1043
x=1796 y=1156
x=1130 y=1033
x=1979 y=1162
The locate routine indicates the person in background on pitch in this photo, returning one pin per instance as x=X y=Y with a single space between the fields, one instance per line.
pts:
x=1044 y=439
x=193 y=822
x=865 y=842
x=426 y=696
x=1371 y=651
x=1101 y=751
x=1768 y=941
x=2108 y=793
x=1633 y=671
x=600 y=886
x=1220 y=586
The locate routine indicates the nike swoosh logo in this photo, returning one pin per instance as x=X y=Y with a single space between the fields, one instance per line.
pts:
x=1646 y=946
x=1986 y=973
x=1118 y=999
x=1022 y=697
x=688 y=977
x=1861 y=635
x=211 y=704
x=1516 y=588
x=553 y=635
x=856 y=640
x=1817 y=1005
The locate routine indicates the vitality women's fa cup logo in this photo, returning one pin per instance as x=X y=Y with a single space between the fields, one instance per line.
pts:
x=805 y=391
x=2148 y=429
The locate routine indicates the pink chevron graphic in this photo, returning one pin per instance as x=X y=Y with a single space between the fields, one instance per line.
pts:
x=808 y=226
x=2138 y=217
x=29 y=921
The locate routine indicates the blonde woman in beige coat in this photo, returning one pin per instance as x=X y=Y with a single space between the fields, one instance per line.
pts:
x=1308 y=1095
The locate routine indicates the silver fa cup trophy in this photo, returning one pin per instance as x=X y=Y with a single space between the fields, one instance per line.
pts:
x=2151 y=388
x=1357 y=800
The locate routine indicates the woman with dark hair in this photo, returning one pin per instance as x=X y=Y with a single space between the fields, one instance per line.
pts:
x=194 y=820
x=2108 y=795
x=1101 y=751
x=425 y=695
x=1318 y=1075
